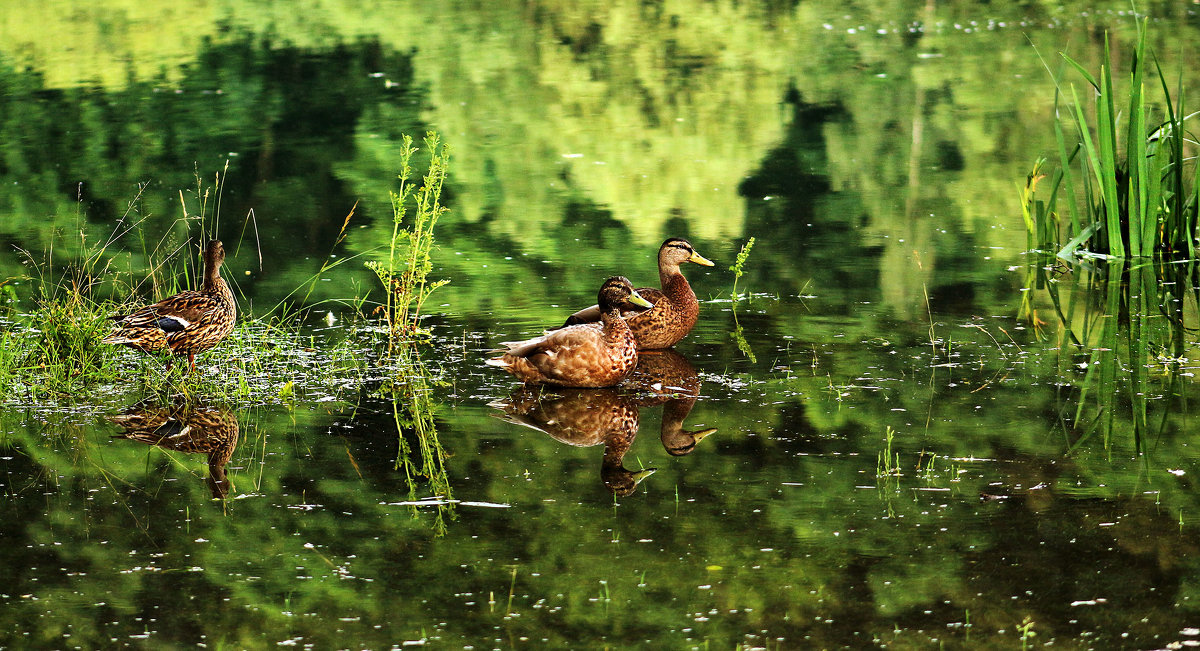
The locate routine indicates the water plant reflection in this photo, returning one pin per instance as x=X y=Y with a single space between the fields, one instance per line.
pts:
x=188 y=427
x=1125 y=322
x=409 y=392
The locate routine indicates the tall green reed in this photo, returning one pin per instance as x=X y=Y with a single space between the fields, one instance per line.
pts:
x=1130 y=195
x=1125 y=182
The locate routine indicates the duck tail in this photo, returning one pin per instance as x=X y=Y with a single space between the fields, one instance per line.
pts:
x=500 y=362
x=117 y=337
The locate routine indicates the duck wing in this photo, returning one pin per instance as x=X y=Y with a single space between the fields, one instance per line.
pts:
x=564 y=341
x=592 y=314
x=172 y=314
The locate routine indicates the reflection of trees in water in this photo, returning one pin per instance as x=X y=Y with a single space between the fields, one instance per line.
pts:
x=807 y=230
x=285 y=118
x=187 y=427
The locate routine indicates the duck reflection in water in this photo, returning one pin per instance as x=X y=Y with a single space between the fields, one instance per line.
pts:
x=185 y=427
x=610 y=417
x=664 y=377
x=583 y=418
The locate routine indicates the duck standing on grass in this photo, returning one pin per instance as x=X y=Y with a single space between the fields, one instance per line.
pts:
x=675 y=307
x=585 y=355
x=187 y=323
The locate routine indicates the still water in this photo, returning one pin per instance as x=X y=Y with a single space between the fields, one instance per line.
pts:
x=879 y=444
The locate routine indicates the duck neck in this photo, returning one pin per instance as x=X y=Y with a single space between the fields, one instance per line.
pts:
x=677 y=290
x=216 y=285
x=212 y=276
x=614 y=326
x=668 y=273
x=674 y=413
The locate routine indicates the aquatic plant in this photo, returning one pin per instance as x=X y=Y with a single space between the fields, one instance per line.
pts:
x=1139 y=206
x=738 y=334
x=404 y=273
x=887 y=463
x=737 y=265
x=1142 y=205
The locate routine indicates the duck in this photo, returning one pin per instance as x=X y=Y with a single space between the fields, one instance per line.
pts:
x=187 y=323
x=585 y=355
x=675 y=308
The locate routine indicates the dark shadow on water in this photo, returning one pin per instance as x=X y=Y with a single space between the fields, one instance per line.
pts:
x=183 y=426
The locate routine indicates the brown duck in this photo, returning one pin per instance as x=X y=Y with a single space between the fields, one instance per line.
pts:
x=675 y=306
x=584 y=355
x=184 y=324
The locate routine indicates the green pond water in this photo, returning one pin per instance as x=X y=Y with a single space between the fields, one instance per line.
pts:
x=881 y=445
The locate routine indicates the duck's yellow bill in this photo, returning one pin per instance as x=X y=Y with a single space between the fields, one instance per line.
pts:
x=637 y=299
x=700 y=434
x=699 y=259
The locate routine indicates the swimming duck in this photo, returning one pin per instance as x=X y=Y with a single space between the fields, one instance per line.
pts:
x=584 y=355
x=187 y=323
x=675 y=305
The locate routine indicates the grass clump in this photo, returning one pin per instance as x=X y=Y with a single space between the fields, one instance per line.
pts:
x=1141 y=201
x=55 y=347
x=404 y=273
x=50 y=348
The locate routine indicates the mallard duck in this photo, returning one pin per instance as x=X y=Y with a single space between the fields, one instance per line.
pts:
x=583 y=418
x=187 y=323
x=675 y=306
x=194 y=429
x=585 y=355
